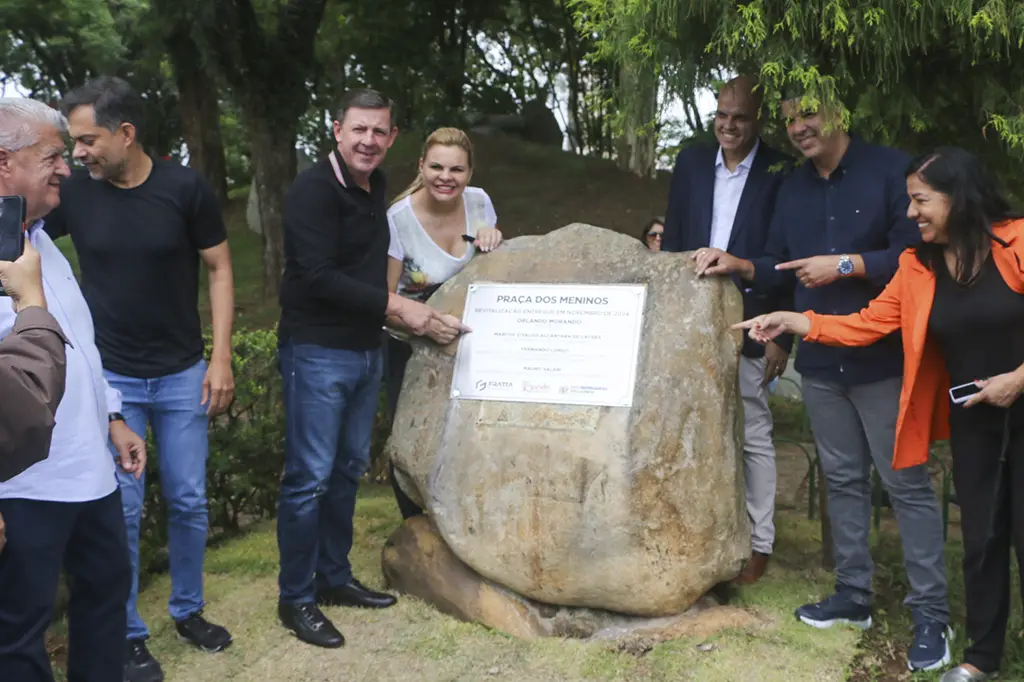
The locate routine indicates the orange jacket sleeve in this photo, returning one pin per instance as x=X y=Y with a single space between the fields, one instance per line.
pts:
x=879 y=319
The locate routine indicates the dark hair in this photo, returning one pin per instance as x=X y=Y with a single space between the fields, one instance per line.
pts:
x=975 y=204
x=113 y=100
x=362 y=98
x=656 y=220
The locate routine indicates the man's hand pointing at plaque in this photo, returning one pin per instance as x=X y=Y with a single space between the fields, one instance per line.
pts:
x=446 y=328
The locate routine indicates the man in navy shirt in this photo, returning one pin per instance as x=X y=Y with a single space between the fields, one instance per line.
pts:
x=723 y=197
x=839 y=226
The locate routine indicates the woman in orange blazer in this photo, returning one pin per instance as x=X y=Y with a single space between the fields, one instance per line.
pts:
x=958 y=300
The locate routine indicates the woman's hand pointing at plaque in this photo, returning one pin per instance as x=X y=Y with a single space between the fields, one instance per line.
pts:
x=765 y=328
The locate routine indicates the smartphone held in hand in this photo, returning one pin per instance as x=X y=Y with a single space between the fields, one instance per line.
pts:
x=960 y=394
x=12 y=229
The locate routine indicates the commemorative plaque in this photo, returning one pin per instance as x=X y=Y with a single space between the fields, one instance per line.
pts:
x=574 y=344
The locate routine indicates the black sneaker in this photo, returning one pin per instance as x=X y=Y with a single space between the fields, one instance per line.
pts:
x=930 y=650
x=203 y=634
x=139 y=664
x=839 y=608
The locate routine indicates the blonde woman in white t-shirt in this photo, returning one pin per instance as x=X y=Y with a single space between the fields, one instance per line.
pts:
x=437 y=225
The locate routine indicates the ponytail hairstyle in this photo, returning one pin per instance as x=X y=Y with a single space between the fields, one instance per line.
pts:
x=445 y=137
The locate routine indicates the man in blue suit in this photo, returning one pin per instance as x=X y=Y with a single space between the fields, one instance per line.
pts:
x=723 y=198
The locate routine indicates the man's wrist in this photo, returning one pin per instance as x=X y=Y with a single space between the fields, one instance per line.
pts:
x=1018 y=375
x=395 y=304
x=30 y=302
x=219 y=356
x=747 y=271
x=845 y=266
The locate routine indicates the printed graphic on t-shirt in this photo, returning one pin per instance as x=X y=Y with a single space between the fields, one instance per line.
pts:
x=414 y=283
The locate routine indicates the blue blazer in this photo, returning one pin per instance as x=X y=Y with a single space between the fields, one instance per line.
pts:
x=688 y=220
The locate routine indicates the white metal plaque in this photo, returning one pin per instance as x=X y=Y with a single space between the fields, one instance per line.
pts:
x=574 y=344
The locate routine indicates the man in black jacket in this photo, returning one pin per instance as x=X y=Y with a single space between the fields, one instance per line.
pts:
x=334 y=302
x=723 y=198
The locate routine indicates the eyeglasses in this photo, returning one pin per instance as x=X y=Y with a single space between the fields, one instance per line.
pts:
x=654 y=235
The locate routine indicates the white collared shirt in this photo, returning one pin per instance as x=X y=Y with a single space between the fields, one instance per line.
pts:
x=728 y=190
x=79 y=468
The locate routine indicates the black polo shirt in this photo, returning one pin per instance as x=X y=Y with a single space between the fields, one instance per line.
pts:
x=334 y=291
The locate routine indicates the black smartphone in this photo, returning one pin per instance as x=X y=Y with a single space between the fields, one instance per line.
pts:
x=468 y=238
x=12 y=229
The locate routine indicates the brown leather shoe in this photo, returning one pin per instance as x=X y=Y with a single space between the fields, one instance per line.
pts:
x=754 y=569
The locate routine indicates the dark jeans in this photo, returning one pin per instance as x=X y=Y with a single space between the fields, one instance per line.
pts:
x=986 y=565
x=398 y=356
x=330 y=398
x=87 y=539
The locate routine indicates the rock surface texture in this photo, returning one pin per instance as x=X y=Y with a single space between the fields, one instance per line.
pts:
x=635 y=510
x=417 y=562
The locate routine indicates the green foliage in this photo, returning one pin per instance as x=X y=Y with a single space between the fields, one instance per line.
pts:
x=52 y=45
x=246 y=450
x=246 y=459
x=237 y=158
x=910 y=72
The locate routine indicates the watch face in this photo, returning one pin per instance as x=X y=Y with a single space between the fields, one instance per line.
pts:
x=845 y=266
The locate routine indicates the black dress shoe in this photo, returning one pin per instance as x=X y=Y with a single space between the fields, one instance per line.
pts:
x=310 y=625
x=354 y=593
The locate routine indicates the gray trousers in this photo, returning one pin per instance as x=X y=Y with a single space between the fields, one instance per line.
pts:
x=758 y=454
x=853 y=427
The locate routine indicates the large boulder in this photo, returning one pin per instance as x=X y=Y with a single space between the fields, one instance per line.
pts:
x=636 y=510
x=417 y=562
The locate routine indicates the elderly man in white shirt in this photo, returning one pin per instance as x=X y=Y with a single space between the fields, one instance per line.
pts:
x=65 y=511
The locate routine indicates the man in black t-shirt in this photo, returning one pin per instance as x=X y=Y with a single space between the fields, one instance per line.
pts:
x=140 y=227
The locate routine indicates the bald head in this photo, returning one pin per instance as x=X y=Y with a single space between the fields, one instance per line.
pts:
x=737 y=123
x=744 y=87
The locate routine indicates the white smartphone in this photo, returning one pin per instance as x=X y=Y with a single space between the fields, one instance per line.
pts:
x=960 y=394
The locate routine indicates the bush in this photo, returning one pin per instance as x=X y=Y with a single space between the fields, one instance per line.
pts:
x=246 y=451
x=243 y=473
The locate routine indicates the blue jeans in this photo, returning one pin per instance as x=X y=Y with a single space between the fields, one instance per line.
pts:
x=330 y=398
x=172 y=406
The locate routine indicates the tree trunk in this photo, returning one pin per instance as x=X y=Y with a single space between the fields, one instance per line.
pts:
x=200 y=125
x=274 y=163
x=637 y=91
x=199 y=109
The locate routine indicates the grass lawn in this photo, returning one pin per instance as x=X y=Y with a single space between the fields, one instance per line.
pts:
x=414 y=642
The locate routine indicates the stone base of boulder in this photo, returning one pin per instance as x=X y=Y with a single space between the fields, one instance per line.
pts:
x=417 y=562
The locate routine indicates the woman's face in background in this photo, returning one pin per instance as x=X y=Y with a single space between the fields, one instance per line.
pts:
x=653 y=236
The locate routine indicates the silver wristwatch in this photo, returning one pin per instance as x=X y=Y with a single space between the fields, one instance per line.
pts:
x=845 y=267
